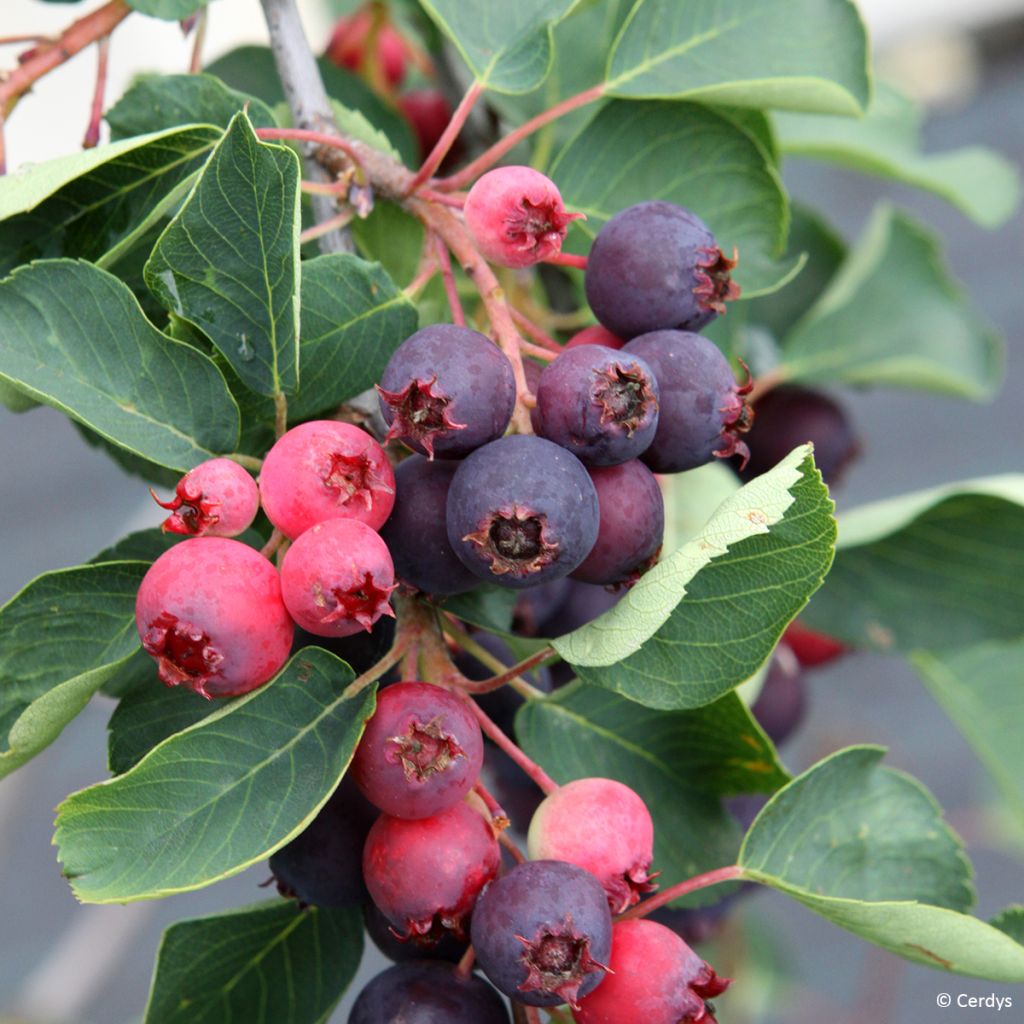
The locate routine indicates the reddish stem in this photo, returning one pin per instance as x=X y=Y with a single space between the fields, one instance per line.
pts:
x=445 y=263
x=15 y=40
x=339 y=220
x=538 y=353
x=499 y=819
x=465 y=965
x=673 y=892
x=568 y=259
x=517 y=855
x=195 y=64
x=454 y=199
x=534 y=331
x=492 y=732
x=321 y=138
x=491 y=156
x=763 y=384
x=448 y=137
x=92 y=132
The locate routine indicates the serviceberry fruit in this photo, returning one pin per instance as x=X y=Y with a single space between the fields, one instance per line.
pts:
x=516 y=216
x=632 y=525
x=655 y=266
x=425 y=874
x=790 y=416
x=810 y=647
x=427 y=992
x=416 y=947
x=654 y=977
x=447 y=390
x=417 y=534
x=322 y=866
x=209 y=610
x=602 y=826
x=348 y=46
x=337 y=578
x=324 y=470
x=600 y=404
x=595 y=334
x=522 y=511
x=428 y=112
x=542 y=933
x=703 y=411
x=782 y=703
x=585 y=603
x=421 y=751
x=216 y=499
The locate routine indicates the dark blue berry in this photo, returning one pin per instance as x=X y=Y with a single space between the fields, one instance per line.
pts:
x=522 y=511
x=703 y=410
x=655 y=266
x=781 y=705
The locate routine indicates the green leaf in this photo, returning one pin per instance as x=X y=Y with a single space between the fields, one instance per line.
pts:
x=74 y=337
x=706 y=617
x=866 y=847
x=149 y=545
x=97 y=204
x=61 y=638
x=680 y=762
x=507 y=47
x=1011 y=921
x=209 y=802
x=789 y=54
x=156 y=102
x=229 y=261
x=935 y=569
x=251 y=69
x=886 y=142
x=353 y=318
x=982 y=690
x=272 y=963
x=487 y=607
x=892 y=317
x=688 y=154
x=168 y=10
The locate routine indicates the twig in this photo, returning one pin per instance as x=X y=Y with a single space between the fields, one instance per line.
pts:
x=195 y=64
x=538 y=353
x=504 y=675
x=763 y=384
x=568 y=259
x=454 y=199
x=16 y=40
x=673 y=892
x=448 y=137
x=517 y=855
x=331 y=141
x=92 y=132
x=374 y=672
x=445 y=263
x=502 y=742
x=277 y=538
x=339 y=220
x=280 y=414
x=535 y=332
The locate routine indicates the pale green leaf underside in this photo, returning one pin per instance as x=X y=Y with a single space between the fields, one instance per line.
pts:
x=892 y=317
x=74 y=337
x=789 y=54
x=507 y=46
x=706 y=617
x=209 y=802
x=686 y=154
x=886 y=142
x=272 y=963
x=938 y=569
x=229 y=261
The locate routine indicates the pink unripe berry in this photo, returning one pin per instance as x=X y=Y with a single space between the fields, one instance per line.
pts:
x=517 y=217
x=425 y=875
x=215 y=499
x=209 y=610
x=602 y=826
x=348 y=45
x=337 y=578
x=428 y=112
x=326 y=470
x=595 y=334
x=654 y=977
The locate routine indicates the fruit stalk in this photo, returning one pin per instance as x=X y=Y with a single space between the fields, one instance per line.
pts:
x=673 y=892
x=92 y=131
x=448 y=137
x=544 y=781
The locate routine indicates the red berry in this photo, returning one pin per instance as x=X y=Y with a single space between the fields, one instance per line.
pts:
x=428 y=111
x=347 y=47
x=811 y=648
x=209 y=610
x=216 y=499
x=421 y=751
x=595 y=334
x=326 y=470
x=425 y=875
x=653 y=977
x=517 y=216
x=602 y=826
x=337 y=578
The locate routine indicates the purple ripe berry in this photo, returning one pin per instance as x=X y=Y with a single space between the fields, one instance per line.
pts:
x=216 y=499
x=655 y=978
x=782 y=703
x=447 y=390
x=326 y=470
x=600 y=404
x=522 y=511
x=416 y=534
x=427 y=992
x=703 y=410
x=421 y=751
x=337 y=578
x=655 y=266
x=543 y=933
x=209 y=611
x=791 y=416
x=322 y=866
x=632 y=525
x=425 y=875
x=602 y=826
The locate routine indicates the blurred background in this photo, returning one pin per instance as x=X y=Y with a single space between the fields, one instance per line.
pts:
x=91 y=965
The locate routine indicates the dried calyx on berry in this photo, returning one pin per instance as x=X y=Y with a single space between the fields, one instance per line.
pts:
x=216 y=499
